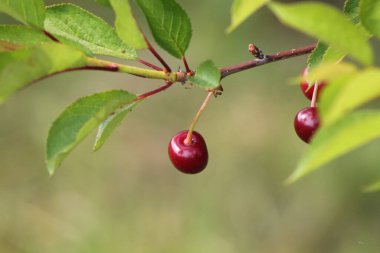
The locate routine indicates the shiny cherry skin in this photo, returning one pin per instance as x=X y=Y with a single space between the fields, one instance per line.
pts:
x=306 y=123
x=188 y=158
x=305 y=86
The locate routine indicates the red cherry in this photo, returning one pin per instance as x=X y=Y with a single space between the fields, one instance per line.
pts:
x=188 y=158
x=308 y=92
x=306 y=123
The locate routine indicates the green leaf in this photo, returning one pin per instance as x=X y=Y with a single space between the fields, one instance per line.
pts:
x=30 y=12
x=126 y=26
x=349 y=94
x=22 y=35
x=337 y=139
x=370 y=15
x=81 y=29
x=21 y=67
x=316 y=56
x=334 y=28
x=78 y=120
x=109 y=125
x=170 y=25
x=352 y=9
x=374 y=187
x=241 y=10
x=207 y=75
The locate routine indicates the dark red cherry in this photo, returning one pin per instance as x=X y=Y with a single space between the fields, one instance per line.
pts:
x=308 y=92
x=306 y=123
x=188 y=158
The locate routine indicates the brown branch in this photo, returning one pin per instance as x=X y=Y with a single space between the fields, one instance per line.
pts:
x=226 y=71
x=155 y=91
x=150 y=65
x=188 y=70
x=157 y=55
x=51 y=36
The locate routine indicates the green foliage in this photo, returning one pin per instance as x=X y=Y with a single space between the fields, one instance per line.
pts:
x=22 y=35
x=109 y=125
x=169 y=23
x=126 y=26
x=30 y=12
x=207 y=75
x=316 y=56
x=21 y=67
x=338 y=138
x=85 y=31
x=370 y=16
x=333 y=29
x=78 y=120
x=241 y=10
x=351 y=8
x=374 y=187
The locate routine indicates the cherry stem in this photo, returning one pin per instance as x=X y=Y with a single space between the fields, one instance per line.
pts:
x=188 y=70
x=226 y=71
x=155 y=91
x=150 y=65
x=315 y=93
x=51 y=36
x=195 y=120
x=158 y=56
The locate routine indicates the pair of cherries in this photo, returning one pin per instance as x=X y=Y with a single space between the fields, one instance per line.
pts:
x=191 y=157
x=306 y=121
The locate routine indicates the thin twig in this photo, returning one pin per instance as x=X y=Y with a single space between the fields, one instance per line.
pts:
x=226 y=71
x=157 y=55
x=188 y=70
x=155 y=91
x=51 y=36
x=150 y=65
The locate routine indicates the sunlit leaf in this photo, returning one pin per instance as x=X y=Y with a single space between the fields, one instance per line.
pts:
x=108 y=126
x=22 y=35
x=78 y=120
x=169 y=23
x=316 y=56
x=242 y=9
x=334 y=28
x=126 y=26
x=81 y=29
x=26 y=11
x=337 y=139
x=207 y=75
x=21 y=67
x=370 y=15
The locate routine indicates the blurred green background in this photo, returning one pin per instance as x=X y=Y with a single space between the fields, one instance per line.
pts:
x=127 y=197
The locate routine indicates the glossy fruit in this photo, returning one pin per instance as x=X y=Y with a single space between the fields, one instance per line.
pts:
x=306 y=123
x=305 y=86
x=188 y=158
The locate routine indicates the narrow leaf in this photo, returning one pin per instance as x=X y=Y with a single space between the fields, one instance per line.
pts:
x=22 y=35
x=78 y=120
x=21 y=67
x=30 y=12
x=374 y=187
x=126 y=26
x=169 y=23
x=334 y=28
x=109 y=125
x=242 y=9
x=337 y=139
x=370 y=15
x=336 y=102
x=79 y=28
x=207 y=75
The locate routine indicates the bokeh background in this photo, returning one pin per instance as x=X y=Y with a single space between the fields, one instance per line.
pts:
x=127 y=197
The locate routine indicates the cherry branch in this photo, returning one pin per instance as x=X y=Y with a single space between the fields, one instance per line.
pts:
x=155 y=91
x=226 y=71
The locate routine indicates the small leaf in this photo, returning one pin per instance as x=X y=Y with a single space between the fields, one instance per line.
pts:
x=337 y=139
x=22 y=35
x=334 y=28
x=81 y=29
x=370 y=15
x=336 y=102
x=30 y=12
x=242 y=9
x=21 y=67
x=170 y=25
x=316 y=56
x=207 y=75
x=78 y=120
x=109 y=125
x=374 y=187
x=126 y=26
x=352 y=9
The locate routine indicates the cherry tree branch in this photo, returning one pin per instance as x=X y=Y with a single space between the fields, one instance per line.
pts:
x=226 y=71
